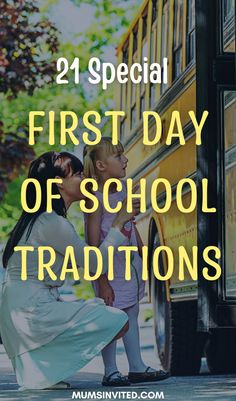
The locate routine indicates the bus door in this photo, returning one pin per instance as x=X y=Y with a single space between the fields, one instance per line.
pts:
x=216 y=159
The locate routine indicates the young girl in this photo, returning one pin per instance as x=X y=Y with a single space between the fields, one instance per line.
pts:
x=101 y=162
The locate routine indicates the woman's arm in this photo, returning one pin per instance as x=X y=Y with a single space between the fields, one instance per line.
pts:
x=57 y=232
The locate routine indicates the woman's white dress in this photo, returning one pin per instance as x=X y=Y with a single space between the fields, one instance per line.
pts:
x=46 y=338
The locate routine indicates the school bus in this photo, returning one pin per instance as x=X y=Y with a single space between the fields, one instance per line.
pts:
x=191 y=318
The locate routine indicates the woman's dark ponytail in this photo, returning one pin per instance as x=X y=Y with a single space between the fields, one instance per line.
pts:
x=49 y=165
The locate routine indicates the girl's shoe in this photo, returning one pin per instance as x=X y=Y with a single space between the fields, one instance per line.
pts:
x=115 y=379
x=147 y=376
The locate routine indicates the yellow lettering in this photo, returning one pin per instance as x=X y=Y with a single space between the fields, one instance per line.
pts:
x=87 y=251
x=144 y=263
x=115 y=114
x=205 y=207
x=32 y=127
x=38 y=197
x=198 y=127
x=91 y=127
x=106 y=188
x=168 y=198
x=69 y=258
x=175 y=120
x=68 y=130
x=89 y=195
x=184 y=260
x=131 y=195
x=212 y=263
x=128 y=250
x=23 y=250
x=179 y=195
x=51 y=122
x=110 y=263
x=156 y=139
x=46 y=264
x=51 y=196
x=169 y=263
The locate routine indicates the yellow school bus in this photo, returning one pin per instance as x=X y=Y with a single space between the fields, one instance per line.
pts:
x=190 y=316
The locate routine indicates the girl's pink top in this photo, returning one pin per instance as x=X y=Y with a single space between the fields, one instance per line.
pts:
x=127 y=293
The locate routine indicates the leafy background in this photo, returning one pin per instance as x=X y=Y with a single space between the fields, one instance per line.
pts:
x=33 y=35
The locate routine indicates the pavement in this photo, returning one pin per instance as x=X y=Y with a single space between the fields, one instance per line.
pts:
x=203 y=387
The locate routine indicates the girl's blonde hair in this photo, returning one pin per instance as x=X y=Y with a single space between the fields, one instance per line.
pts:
x=92 y=153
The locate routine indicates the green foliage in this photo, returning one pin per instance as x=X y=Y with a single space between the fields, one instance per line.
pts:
x=10 y=208
x=111 y=17
x=84 y=290
x=148 y=315
x=26 y=44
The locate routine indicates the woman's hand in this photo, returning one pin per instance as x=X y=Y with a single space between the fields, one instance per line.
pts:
x=106 y=291
x=123 y=216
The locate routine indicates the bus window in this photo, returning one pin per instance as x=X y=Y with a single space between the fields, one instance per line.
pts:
x=124 y=86
x=228 y=9
x=133 y=86
x=153 y=39
x=178 y=34
x=133 y=116
x=153 y=46
x=152 y=95
x=228 y=25
x=153 y=51
x=124 y=90
x=230 y=191
x=154 y=11
x=144 y=29
x=144 y=54
x=164 y=36
x=191 y=42
x=122 y=128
